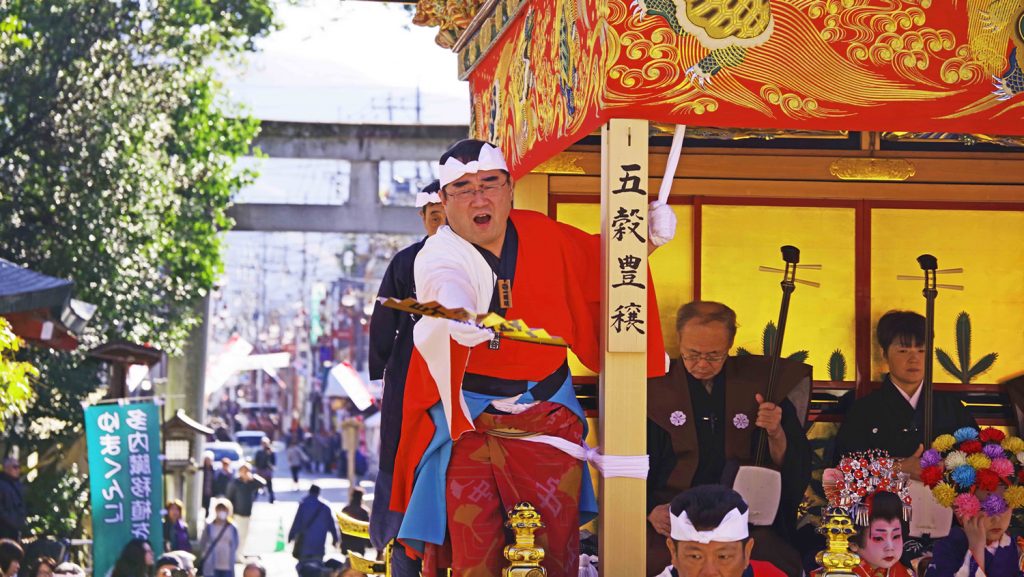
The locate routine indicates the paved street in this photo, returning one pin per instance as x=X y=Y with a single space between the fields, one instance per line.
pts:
x=271 y=520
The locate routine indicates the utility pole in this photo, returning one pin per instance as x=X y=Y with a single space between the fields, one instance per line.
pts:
x=391 y=104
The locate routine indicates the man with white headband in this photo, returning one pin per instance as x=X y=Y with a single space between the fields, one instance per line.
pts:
x=390 y=349
x=710 y=536
x=484 y=416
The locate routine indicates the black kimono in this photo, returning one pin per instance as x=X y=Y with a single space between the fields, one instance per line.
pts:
x=707 y=447
x=390 y=350
x=885 y=420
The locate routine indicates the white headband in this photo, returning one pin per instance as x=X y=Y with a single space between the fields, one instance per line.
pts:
x=732 y=528
x=425 y=198
x=490 y=158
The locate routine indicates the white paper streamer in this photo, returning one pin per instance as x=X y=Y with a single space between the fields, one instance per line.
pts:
x=672 y=163
x=632 y=466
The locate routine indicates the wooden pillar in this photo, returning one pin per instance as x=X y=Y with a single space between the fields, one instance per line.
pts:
x=623 y=380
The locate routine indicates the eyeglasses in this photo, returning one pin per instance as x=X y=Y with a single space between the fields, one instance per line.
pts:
x=489 y=190
x=708 y=357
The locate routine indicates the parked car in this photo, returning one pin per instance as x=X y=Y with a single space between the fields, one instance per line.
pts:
x=231 y=450
x=250 y=442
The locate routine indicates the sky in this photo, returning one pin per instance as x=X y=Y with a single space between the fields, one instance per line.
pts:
x=340 y=61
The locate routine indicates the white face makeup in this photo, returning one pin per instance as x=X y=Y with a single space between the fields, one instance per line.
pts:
x=883 y=544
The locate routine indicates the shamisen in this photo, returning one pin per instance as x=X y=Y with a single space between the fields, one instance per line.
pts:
x=489 y=422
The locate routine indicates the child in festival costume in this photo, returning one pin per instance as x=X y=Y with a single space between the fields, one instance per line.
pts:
x=871 y=487
x=978 y=476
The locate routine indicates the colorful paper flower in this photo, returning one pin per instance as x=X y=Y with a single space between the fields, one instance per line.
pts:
x=944 y=494
x=1002 y=467
x=965 y=434
x=955 y=459
x=1013 y=444
x=970 y=447
x=677 y=418
x=967 y=505
x=932 y=475
x=1014 y=496
x=993 y=451
x=991 y=435
x=741 y=421
x=987 y=479
x=963 y=476
x=994 y=505
x=930 y=458
x=979 y=461
x=943 y=443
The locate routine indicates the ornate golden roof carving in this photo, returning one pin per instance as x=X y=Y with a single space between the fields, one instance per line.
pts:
x=884 y=169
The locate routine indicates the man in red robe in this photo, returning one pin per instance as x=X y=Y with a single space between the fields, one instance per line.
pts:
x=482 y=415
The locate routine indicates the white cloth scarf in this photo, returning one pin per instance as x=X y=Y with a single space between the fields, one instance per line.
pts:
x=490 y=158
x=450 y=271
x=732 y=528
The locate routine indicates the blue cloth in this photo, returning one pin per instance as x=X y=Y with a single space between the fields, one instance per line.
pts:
x=176 y=536
x=315 y=519
x=950 y=552
x=426 y=518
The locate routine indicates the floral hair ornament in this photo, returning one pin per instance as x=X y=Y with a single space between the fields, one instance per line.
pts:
x=864 y=474
x=957 y=466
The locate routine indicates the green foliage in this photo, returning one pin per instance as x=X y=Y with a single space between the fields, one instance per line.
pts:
x=58 y=502
x=768 y=346
x=117 y=153
x=15 y=389
x=120 y=152
x=963 y=370
x=837 y=366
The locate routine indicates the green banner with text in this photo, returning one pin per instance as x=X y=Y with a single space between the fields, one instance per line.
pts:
x=125 y=477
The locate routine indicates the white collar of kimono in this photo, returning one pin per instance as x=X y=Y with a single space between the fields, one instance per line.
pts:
x=732 y=528
x=490 y=158
x=425 y=198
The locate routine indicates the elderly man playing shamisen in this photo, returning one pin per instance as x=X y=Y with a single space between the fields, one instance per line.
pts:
x=489 y=422
x=710 y=536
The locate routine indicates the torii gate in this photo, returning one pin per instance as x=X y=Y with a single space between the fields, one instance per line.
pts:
x=546 y=73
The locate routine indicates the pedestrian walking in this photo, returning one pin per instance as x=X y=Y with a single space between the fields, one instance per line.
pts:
x=136 y=560
x=11 y=556
x=266 y=462
x=356 y=510
x=242 y=493
x=222 y=478
x=175 y=528
x=319 y=452
x=220 y=542
x=313 y=522
x=296 y=458
x=12 y=501
x=209 y=475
